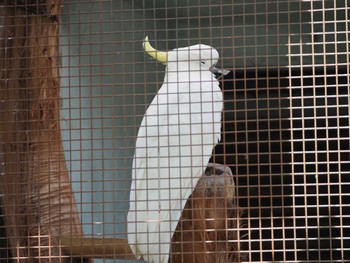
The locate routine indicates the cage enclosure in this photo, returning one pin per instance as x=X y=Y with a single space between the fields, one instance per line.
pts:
x=76 y=87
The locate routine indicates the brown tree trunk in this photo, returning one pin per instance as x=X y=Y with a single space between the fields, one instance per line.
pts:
x=208 y=231
x=38 y=202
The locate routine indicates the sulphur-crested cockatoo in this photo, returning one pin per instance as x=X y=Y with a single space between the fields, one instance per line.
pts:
x=174 y=144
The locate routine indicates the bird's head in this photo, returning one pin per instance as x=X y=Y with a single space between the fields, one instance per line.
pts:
x=198 y=57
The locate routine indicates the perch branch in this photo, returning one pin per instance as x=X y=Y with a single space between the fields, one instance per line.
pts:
x=116 y=248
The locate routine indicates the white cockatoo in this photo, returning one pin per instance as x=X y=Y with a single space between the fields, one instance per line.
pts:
x=174 y=144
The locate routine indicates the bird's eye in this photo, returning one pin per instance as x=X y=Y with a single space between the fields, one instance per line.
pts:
x=203 y=63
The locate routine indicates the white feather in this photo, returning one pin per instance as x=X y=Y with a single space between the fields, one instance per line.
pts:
x=174 y=144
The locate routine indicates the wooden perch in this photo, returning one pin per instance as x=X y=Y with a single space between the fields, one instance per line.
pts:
x=115 y=248
x=208 y=228
x=206 y=233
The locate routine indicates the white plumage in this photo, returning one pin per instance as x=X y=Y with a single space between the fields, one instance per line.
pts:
x=174 y=144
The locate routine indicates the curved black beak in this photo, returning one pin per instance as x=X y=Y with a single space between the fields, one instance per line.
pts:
x=219 y=71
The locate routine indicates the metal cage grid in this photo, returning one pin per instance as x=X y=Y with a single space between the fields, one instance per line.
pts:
x=75 y=72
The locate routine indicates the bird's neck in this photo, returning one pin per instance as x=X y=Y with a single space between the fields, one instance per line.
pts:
x=188 y=76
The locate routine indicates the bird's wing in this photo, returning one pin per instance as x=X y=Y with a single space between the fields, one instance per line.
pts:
x=172 y=149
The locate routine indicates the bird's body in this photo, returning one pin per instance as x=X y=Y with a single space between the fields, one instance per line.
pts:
x=174 y=144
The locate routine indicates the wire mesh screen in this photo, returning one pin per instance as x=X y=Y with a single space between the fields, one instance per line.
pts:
x=103 y=159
